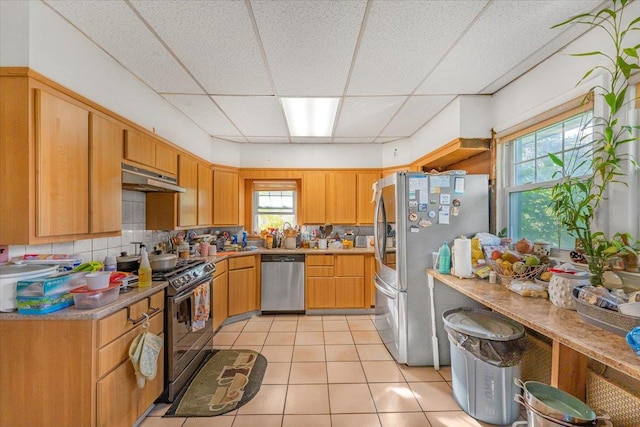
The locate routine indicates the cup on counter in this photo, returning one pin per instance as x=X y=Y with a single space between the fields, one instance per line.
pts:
x=322 y=244
x=204 y=248
x=213 y=249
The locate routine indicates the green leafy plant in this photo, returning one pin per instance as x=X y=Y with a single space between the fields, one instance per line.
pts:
x=574 y=200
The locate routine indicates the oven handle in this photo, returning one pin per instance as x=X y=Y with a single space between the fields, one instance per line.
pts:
x=146 y=315
x=202 y=281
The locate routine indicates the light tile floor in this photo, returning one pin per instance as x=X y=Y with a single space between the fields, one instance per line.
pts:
x=329 y=371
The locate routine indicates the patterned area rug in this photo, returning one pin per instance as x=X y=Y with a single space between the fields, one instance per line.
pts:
x=226 y=380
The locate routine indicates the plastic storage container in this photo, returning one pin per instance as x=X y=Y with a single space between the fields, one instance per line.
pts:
x=44 y=304
x=86 y=299
x=486 y=350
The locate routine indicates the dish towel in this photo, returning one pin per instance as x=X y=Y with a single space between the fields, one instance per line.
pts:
x=201 y=299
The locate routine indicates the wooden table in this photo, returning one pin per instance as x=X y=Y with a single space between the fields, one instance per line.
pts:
x=574 y=341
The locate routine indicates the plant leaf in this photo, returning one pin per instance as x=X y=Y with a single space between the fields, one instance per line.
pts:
x=555 y=159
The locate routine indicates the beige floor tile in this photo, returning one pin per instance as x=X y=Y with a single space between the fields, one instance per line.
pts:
x=209 y=422
x=284 y=326
x=269 y=400
x=306 y=421
x=280 y=338
x=419 y=373
x=308 y=373
x=350 y=399
x=308 y=353
x=445 y=372
x=285 y=317
x=351 y=420
x=277 y=373
x=434 y=396
x=159 y=409
x=362 y=325
x=262 y=318
x=345 y=372
x=309 y=317
x=406 y=419
x=234 y=327
x=358 y=317
x=338 y=338
x=307 y=399
x=251 y=338
x=162 y=422
x=452 y=419
x=335 y=325
x=382 y=371
x=258 y=420
x=277 y=353
x=394 y=397
x=309 y=326
x=257 y=348
x=373 y=352
x=225 y=338
x=309 y=338
x=366 y=337
x=257 y=327
x=341 y=353
x=334 y=317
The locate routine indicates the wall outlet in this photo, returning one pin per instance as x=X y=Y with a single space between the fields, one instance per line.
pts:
x=4 y=253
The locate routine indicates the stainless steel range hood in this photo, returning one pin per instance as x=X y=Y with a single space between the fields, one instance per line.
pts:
x=138 y=179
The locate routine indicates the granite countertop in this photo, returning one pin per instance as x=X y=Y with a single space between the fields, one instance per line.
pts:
x=72 y=313
x=559 y=324
x=225 y=255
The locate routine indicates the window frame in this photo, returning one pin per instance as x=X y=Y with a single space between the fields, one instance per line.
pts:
x=273 y=186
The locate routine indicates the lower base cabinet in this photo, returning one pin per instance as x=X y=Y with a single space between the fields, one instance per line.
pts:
x=336 y=281
x=244 y=293
x=220 y=294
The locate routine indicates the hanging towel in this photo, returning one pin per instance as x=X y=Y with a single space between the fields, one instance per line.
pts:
x=201 y=309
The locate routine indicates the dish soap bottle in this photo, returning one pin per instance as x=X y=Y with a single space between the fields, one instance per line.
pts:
x=144 y=271
x=444 y=255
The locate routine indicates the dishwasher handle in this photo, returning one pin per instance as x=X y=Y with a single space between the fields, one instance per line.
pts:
x=282 y=258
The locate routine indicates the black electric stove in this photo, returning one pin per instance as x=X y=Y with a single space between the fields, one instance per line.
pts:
x=184 y=274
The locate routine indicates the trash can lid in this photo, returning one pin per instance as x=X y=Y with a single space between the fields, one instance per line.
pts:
x=483 y=324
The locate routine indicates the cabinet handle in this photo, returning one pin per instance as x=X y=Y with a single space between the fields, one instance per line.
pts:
x=145 y=316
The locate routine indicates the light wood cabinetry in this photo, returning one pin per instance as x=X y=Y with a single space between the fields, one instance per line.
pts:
x=313 y=198
x=76 y=372
x=220 y=294
x=244 y=295
x=335 y=281
x=188 y=201
x=205 y=195
x=369 y=282
x=226 y=198
x=143 y=148
x=364 y=208
x=340 y=197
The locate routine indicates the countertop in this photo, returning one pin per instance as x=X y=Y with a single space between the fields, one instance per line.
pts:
x=225 y=255
x=559 y=324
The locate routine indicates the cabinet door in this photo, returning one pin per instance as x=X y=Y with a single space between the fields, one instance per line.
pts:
x=340 y=197
x=116 y=398
x=349 y=265
x=187 y=201
x=321 y=292
x=225 y=193
x=106 y=175
x=220 y=299
x=349 y=292
x=364 y=206
x=166 y=158
x=152 y=389
x=313 y=198
x=242 y=290
x=62 y=172
x=139 y=147
x=205 y=195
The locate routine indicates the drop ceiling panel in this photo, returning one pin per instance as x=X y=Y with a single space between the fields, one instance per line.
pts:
x=215 y=40
x=268 y=140
x=202 y=110
x=356 y=140
x=403 y=41
x=309 y=44
x=498 y=41
x=311 y=140
x=254 y=115
x=417 y=111
x=366 y=116
x=115 y=28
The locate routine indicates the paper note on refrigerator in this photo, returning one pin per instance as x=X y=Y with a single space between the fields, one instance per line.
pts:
x=443 y=215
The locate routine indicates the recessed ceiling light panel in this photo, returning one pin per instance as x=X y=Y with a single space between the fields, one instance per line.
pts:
x=310 y=116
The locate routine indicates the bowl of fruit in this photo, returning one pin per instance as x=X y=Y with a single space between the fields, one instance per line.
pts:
x=510 y=265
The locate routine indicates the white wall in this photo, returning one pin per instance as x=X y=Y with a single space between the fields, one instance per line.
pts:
x=310 y=156
x=14 y=33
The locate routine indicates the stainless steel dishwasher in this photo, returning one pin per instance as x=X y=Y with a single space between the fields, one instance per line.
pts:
x=282 y=283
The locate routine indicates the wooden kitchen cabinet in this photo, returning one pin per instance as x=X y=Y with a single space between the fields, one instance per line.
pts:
x=340 y=196
x=369 y=282
x=187 y=201
x=226 y=198
x=313 y=198
x=244 y=293
x=349 y=281
x=205 y=195
x=335 y=281
x=364 y=208
x=77 y=372
x=220 y=294
x=143 y=148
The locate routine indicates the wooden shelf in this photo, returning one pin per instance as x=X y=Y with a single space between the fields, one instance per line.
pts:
x=454 y=152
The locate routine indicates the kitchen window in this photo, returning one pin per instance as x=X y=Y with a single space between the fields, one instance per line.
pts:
x=274 y=204
x=530 y=173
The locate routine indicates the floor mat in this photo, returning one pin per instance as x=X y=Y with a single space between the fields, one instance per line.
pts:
x=226 y=380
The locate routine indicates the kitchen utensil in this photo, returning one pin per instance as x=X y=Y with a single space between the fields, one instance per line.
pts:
x=127 y=263
x=163 y=262
x=555 y=403
x=98 y=280
x=322 y=244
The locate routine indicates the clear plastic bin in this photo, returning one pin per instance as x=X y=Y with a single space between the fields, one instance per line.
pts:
x=86 y=299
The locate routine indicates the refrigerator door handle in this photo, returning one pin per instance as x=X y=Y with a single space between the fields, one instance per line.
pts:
x=382 y=288
x=379 y=250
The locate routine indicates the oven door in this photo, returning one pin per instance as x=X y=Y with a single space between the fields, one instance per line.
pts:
x=190 y=328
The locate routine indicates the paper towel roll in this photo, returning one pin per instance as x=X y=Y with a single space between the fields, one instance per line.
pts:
x=462 y=257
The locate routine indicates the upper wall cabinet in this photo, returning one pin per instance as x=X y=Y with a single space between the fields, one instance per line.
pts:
x=142 y=148
x=340 y=197
x=226 y=198
x=60 y=173
x=365 y=181
x=313 y=198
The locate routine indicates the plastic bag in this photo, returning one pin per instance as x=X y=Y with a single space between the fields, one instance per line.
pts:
x=496 y=353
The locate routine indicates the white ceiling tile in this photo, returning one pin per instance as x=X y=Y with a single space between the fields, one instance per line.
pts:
x=113 y=26
x=366 y=116
x=414 y=114
x=268 y=140
x=488 y=51
x=202 y=110
x=311 y=140
x=355 y=140
x=235 y=139
x=404 y=40
x=255 y=115
x=309 y=44
x=215 y=40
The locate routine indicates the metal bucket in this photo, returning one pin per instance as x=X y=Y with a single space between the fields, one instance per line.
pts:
x=556 y=404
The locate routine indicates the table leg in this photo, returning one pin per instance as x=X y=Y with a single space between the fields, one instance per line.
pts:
x=568 y=370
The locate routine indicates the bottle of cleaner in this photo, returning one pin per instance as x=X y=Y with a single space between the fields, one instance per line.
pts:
x=144 y=271
x=444 y=262
x=110 y=263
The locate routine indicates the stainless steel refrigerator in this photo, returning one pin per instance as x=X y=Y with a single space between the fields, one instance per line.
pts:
x=415 y=213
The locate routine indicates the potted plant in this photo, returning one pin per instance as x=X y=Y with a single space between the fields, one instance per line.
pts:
x=575 y=200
